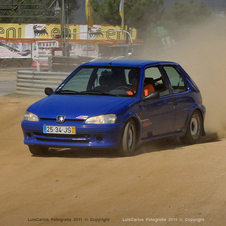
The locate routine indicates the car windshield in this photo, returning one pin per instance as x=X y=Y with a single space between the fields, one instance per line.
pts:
x=115 y=51
x=114 y=81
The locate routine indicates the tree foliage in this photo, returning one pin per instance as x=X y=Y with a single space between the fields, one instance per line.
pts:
x=140 y=14
x=44 y=11
x=107 y=11
x=184 y=15
x=144 y=15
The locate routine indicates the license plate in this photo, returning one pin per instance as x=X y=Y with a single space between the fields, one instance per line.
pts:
x=59 y=129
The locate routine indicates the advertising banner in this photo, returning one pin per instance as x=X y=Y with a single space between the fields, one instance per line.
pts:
x=42 y=49
x=52 y=31
x=15 y=50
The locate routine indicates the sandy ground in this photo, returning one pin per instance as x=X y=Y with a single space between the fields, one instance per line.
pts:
x=165 y=183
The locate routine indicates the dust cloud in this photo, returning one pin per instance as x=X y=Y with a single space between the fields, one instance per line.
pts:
x=203 y=55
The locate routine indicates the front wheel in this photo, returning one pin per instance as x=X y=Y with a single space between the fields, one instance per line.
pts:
x=193 y=133
x=129 y=139
x=38 y=150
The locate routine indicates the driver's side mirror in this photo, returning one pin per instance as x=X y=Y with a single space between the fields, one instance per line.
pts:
x=48 y=91
x=152 y=96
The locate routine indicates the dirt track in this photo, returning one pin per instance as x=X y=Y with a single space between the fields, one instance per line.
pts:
x=166 y=183
x=164 y=180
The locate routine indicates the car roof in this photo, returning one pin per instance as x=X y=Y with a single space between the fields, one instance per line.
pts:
x=127 y=63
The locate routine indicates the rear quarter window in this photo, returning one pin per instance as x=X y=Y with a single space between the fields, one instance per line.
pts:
x=177 y=81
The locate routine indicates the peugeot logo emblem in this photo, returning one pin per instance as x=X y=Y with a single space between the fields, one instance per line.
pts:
x=60 y=119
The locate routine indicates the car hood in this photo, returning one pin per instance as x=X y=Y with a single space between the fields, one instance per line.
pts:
x=75 y=106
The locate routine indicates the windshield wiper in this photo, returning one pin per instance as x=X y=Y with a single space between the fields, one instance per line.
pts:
x=67 y=91
x=95 y=92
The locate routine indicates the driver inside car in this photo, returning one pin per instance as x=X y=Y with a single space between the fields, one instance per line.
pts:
x=134 y=79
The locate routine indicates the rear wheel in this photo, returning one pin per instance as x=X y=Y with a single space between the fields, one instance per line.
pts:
x=38 y=150
x=129 y=138
x=193 y=133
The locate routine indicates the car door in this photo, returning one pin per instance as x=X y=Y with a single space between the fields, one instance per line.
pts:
x=181 y=95
x=158 y=115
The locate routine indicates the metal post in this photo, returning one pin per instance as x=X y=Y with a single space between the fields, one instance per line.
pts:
x=68 y=51
x=122 y=25
x=63 y=25
x=61 y=28
x=87 y=43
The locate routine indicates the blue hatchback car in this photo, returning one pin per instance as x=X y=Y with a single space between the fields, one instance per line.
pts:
x=116 y=104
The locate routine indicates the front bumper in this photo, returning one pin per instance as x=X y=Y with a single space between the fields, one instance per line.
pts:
x=93 y=136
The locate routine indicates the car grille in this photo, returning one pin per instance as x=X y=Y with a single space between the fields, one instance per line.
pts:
x=62 y=138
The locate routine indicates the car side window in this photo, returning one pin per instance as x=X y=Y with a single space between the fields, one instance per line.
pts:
x=154 y=77
x=177 y=81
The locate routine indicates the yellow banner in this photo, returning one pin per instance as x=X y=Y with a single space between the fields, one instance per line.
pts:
x=11 y=31
x=52 y=31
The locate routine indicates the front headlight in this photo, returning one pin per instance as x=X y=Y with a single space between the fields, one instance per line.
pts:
x=102 y=119
x=28 y=116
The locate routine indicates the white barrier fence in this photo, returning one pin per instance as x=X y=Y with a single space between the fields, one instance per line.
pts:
x=34 y=83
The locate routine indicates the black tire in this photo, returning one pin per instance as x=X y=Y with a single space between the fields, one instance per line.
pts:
x=194 y=129
x=38 y=150
x=129 y=139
